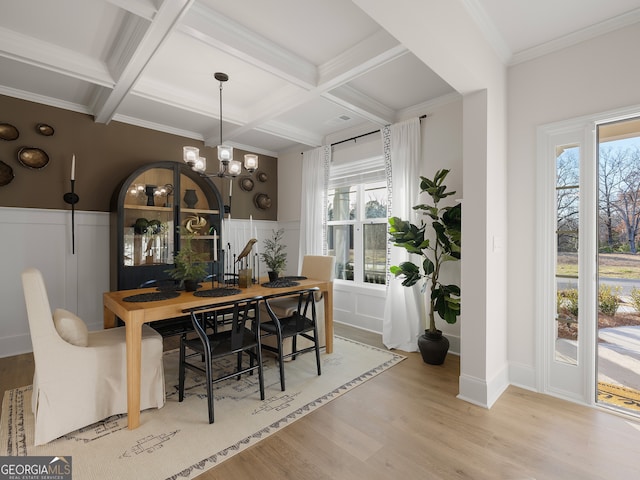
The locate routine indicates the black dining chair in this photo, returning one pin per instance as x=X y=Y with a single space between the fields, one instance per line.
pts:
x=301 y=323
x=239 y=336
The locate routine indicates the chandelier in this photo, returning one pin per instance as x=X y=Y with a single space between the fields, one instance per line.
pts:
x=228 y=167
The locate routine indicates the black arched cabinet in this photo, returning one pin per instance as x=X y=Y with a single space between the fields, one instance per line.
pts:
x=152 y=210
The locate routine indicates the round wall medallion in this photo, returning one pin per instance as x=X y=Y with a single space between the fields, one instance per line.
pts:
x=6 y=174
x=263 y=177
x=246 y=184
x=44 y=129
x=262 y=201
x=32 y=157
x=8 y=132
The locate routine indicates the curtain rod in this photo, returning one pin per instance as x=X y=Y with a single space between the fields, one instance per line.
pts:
x=365 y=134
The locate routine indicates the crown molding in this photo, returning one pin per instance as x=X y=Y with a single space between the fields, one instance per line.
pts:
x=427 y=107
x=488 y=29
x=576 y=37
x=44 y=100
x=157 y=126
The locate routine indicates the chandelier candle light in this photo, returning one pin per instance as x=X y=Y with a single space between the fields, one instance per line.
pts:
x=228 y=167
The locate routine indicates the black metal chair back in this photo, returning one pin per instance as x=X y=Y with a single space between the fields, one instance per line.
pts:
x=301 y=323
x=228 y=328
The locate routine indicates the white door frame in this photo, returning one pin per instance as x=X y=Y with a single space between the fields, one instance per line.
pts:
x=571 y=382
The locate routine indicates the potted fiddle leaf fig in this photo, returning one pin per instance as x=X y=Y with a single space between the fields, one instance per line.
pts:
x=443 y=229
x=190 y=265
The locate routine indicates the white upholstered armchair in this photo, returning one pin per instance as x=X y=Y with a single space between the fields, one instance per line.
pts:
x=80 y=376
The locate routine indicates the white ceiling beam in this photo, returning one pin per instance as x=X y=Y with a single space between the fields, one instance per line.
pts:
x=362 y=105
x=48 y=56
x=142 y=8
x=135 y=52
x=214 y=29
x=372 y=52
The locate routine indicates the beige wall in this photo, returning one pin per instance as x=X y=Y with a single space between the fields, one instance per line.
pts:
x=105 y=155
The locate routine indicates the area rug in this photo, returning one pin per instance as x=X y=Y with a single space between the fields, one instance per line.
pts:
x=176 y=441
x=618 y=396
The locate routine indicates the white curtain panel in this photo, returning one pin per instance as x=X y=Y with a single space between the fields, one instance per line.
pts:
x=404 y=309
x=313 y=211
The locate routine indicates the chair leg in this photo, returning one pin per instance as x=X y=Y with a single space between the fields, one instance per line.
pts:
x=317 y=345
x=260 y=372
x=209 y=388
x=181 y=370
x=281 y=362
x=239 y=365
x=294 y=346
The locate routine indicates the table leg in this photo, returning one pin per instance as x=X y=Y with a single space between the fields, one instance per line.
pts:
x=133 y=328
x=109 y=318
x=328 y=318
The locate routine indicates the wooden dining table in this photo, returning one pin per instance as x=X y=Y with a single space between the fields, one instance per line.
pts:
x=134 y=314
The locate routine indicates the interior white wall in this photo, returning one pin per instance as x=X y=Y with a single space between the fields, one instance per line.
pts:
x=594 y=76
x=441 y=133
x=289 y=191
x=445 y=37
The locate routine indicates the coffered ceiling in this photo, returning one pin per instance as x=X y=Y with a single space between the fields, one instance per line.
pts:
x=300 y=70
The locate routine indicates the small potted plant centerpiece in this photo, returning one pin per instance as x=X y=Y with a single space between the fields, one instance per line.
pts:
x=190 y=265
x=274 y=254
x=443 y=247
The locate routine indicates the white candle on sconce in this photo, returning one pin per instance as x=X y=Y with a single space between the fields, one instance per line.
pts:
x=73 y=167
x=230 y=186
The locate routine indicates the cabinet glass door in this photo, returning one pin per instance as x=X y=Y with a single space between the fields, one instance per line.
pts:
x=148 y=222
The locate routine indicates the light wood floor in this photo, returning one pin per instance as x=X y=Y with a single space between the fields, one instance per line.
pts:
x=406 y=423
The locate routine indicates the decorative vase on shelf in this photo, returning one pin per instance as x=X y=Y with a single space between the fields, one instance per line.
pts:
x=190 y=198
x=149 y=192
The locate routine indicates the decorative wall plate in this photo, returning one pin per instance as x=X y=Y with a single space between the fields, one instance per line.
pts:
x=262 y=201
x=6 y=174
x=263 y=177
x=8 y=132
x=44 y=129
x=246 y=184
x=32 y=157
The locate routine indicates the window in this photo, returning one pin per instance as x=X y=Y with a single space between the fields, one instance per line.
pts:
x=357 y=222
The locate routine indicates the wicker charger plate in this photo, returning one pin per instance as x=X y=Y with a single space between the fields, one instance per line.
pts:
x=280 y=283
x=217 y=292
x=151 y=297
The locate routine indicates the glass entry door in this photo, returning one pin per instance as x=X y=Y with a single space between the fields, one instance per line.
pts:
x=618 y=298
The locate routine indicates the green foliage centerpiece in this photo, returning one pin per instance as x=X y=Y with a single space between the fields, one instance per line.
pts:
x=274 y=254
x=444 y=246
x=190 y=265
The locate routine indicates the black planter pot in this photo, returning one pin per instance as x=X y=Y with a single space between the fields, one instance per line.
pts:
x=273 y=276
x=433 y=347
x=191 y=285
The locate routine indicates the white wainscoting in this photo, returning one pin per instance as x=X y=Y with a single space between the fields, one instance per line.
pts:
x=361 y=307
x=42 y=239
